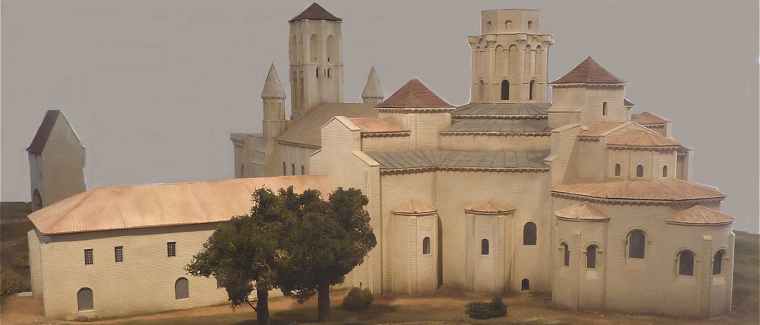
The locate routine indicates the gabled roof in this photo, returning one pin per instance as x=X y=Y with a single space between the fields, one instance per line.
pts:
x=414 y=208
x=648 y=118
x=599 y=128
x=588 y=72
x=307 y=129
x=42 y=135
x=414 y=94
x=700 y=216
x=272 y=85
x=657 y=191
x=158 y=205
x=581 y=212
x=315 y=12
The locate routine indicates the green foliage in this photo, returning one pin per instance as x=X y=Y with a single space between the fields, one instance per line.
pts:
x=329 y=239
x=485 y=310
x=246 y=250
x=357 y=299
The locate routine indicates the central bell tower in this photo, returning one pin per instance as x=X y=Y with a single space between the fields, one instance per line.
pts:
x=316 y=59
x=509 y=57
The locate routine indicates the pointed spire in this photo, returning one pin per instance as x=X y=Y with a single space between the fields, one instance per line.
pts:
x=373 y=91
x=315 y=12
x=588 y=72
x=272 y=86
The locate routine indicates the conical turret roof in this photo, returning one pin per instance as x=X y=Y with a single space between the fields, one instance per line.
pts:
x=315 y=12
x=414 y=94
x=372 y=89
x=272 y=86
x=588 y=72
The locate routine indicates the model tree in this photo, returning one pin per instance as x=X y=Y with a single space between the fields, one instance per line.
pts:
x=326 y=242
x=246 y=250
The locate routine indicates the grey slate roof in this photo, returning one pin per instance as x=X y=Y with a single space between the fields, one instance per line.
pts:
x=454 y=159
x=511 y=126
x=500 y=109
x=306 y=130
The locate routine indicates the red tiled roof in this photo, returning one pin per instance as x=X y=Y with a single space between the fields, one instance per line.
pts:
x=371 y=124
x=315 y=12
x=599 y=128
x=588 y=72
x=414 y=94
x=158 y=205
x=646 y=190
x=700 y=216
x=648 y=118
x=635 y=135
x=581 y=212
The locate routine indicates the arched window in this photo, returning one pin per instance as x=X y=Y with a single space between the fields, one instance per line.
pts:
x=686 y=262
x=303 y=170
x=508 y=24
x=617 y=169
x=636 y=244
x=484 y=247
x=504 y=90
x=292 y=169
x=314 y=47
x=284 y=169
x=531 y=90
x=591 y=257
x=426 y=246
x=85 y=299
x=525 y=284
x=530 y=25
x=332 y=50
x=328 y=73
x=604 y=109
x=36 y=200
x=529 y=233
x=317 y=72
x=718 y=261
x=665 y=171
x=482 y=90
x=639 y=171
x=181 y=289
x=565 y=254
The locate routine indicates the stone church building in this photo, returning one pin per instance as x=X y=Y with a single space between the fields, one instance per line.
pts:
x=534 y=185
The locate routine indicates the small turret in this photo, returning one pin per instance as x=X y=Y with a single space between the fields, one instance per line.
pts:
x=273 y=97
x=373 y=91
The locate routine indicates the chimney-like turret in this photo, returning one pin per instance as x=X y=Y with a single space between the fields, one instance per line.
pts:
x=373 y=91
x=273 y=97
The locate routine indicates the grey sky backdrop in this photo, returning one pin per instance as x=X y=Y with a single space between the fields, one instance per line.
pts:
x=154 y=87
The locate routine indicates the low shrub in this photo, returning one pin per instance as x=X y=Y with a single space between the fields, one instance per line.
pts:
x=357 y=299
x=485 y=310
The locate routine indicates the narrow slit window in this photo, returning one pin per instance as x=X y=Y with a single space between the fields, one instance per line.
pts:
x=426 y=246
x=604 y=109
x=591 y=257
x=718 y=262
x=484 y=249
x=617 y=170
x=565 y=255
x=665 y=171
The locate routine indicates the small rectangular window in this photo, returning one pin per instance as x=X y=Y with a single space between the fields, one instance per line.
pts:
x=118 y=254
x=171 y=249
x=88 y=258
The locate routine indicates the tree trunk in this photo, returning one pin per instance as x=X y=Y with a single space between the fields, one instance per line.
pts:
x=262 y=306
x=323 y=301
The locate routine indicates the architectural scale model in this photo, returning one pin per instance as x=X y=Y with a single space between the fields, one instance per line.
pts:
x=574 y=195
